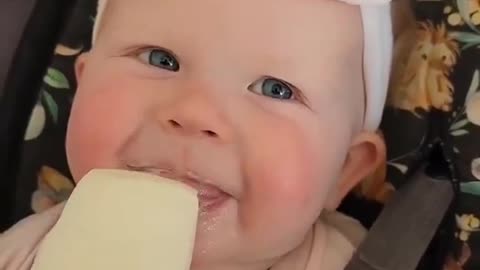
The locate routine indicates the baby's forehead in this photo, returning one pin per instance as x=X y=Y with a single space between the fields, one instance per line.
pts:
x=287 y=38
x=246 y=8
x=269 y=25
x=248 y=11
x=182 y=13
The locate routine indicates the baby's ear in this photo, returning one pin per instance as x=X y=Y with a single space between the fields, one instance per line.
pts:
x=80 y=65
x=365 y=155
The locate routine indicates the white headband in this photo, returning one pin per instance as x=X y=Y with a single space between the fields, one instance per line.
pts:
x=378 y=46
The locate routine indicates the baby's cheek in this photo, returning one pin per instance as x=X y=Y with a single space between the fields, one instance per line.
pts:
x=294 y=183
x=284 y=196
x=283 y=179
x=102 y=118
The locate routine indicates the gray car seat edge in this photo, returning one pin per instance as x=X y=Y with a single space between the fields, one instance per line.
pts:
x=24 y=57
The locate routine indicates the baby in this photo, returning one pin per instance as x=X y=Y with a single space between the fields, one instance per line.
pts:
x=271 y=106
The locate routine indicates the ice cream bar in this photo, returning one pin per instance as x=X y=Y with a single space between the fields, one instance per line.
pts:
x=123 y=220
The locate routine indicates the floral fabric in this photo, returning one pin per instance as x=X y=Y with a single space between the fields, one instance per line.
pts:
x=434 y=103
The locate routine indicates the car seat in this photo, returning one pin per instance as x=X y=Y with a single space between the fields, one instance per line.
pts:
x=29 y=32
x=428 y=184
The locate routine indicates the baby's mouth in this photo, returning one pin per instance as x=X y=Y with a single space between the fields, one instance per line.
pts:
x=210 y=197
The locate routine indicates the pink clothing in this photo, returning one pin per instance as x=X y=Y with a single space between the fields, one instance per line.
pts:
x=19 y=245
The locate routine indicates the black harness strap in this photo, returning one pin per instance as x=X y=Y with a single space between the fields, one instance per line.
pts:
x=404 y=229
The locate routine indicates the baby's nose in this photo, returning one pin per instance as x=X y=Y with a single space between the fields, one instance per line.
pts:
x=195 y=115
x=186 y=127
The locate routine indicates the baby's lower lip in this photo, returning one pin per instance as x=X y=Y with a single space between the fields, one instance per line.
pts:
x=210 y=204
x=210 y=197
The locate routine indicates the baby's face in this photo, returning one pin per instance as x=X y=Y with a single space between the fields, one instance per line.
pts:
x=256 y=103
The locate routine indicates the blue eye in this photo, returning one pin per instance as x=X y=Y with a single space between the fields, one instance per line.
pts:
x=161 y=59
x=273 y=88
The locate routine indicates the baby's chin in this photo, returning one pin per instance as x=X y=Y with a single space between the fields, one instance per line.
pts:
x=215 y=239
x=222 y=242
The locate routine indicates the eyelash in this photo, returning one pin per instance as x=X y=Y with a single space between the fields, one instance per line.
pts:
x=171 y=57
x=297 y=95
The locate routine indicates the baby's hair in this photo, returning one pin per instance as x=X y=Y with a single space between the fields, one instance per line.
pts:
x=405 y=34
x=403 y=17
x=102 y=5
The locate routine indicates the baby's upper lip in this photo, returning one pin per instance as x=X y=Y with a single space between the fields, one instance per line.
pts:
x=204 y=186
x=205 y=190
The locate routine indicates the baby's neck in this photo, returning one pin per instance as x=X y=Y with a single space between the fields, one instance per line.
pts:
x=328 y=245
x=297 y=259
